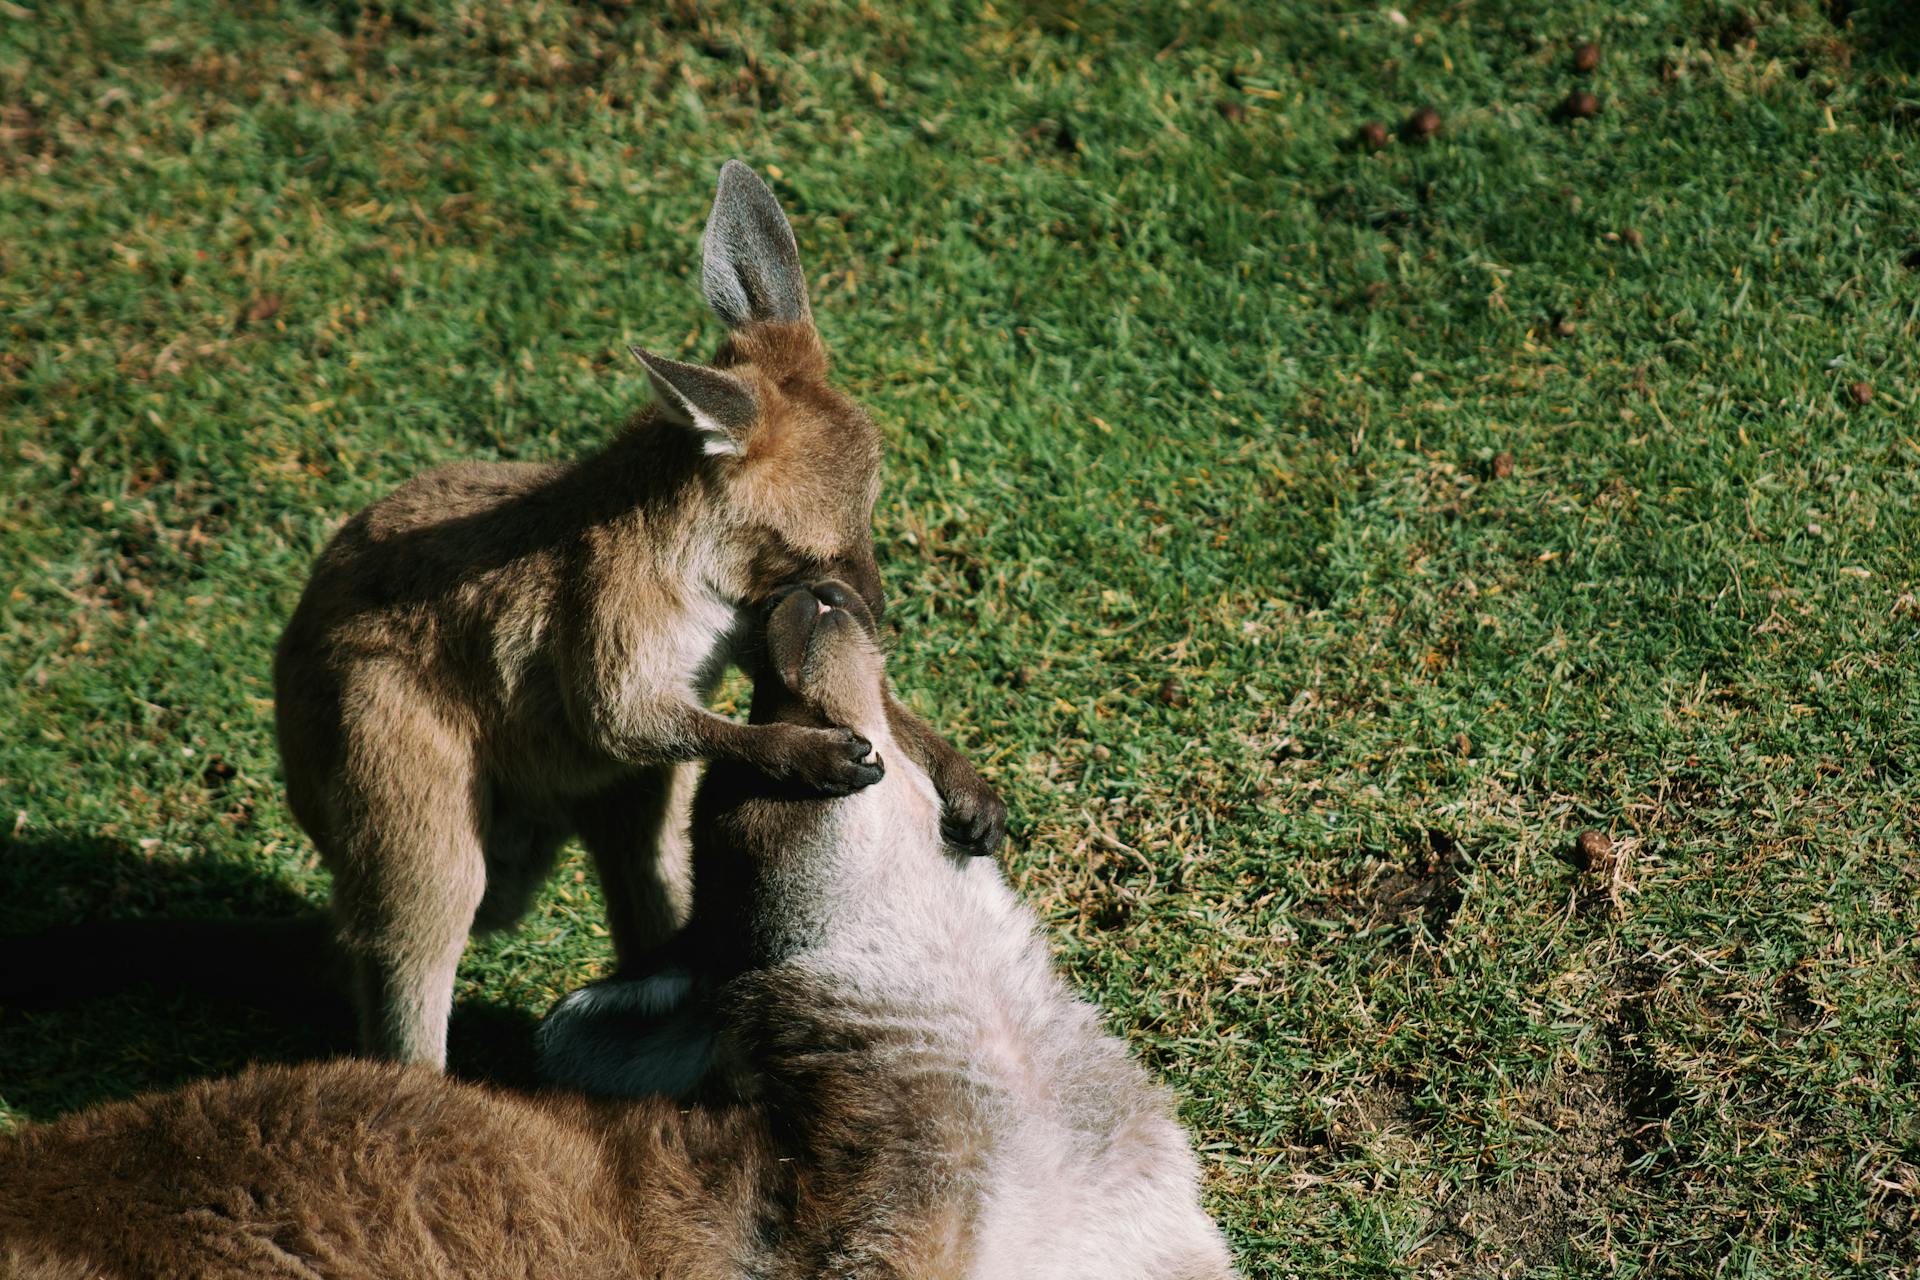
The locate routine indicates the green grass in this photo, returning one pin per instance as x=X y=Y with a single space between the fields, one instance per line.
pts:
x=1177 y=385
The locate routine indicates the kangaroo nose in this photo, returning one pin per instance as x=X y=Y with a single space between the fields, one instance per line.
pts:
x=788 y=593
x=833 y=595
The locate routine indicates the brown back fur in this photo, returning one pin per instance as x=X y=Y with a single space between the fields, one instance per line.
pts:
x=358 y=1168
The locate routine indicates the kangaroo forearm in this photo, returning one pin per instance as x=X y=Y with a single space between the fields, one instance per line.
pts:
x=973 y=816
x=674 y=733
x=714 y=737
x=828 y=761
x=940 y=759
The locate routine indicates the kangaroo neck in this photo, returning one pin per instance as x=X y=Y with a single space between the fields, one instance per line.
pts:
x=651 y=486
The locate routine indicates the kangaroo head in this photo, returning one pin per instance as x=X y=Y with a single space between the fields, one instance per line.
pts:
x=820 y=664
x=817 y=665
x=797 y=464
x=765 y=856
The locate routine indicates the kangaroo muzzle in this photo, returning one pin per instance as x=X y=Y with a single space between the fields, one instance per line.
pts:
x=814 y=630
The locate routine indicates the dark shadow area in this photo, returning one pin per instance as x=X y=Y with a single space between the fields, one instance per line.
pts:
x=490 y=1043
x=1649 y=1093
x=1408 y=893
x=1885 y=31
x=121 y=973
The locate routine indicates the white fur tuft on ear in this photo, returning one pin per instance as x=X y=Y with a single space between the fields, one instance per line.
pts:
x=712 y=403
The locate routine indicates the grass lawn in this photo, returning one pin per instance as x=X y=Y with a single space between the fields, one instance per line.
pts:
x=1310 y=539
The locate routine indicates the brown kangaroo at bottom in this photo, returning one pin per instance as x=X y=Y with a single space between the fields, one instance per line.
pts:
x=497 y=656
x=895 y=1084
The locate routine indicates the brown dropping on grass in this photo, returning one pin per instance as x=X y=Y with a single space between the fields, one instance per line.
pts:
x=1579 y=105
x=1593 y=851
x=1606 y=867
x=1421 y=126
x=263 y=308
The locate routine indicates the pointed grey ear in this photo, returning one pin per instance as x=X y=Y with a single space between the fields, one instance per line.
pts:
x=751 y=268
x=711 y=402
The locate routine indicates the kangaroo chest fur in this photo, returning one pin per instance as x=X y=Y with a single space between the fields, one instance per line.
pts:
x=461 y=598
x=649 y=636
x=1074 y=1161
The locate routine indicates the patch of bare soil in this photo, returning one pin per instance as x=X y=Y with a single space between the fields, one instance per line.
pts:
x=1420 y=890
x=1575 y=1156
x=1580 y=1136
x=1376 y=1123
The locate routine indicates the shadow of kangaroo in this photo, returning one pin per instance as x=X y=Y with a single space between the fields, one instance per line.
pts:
x=155 y=940
x=892 y=1082
x=498 y=656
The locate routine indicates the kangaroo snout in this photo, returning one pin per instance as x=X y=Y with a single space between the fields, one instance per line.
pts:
x=815 y=629
x=828 y=594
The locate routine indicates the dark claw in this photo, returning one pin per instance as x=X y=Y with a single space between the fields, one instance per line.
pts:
x=857 y=778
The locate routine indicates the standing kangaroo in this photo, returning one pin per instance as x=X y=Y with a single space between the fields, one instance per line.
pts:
x=899 y=1086
x=497 y=656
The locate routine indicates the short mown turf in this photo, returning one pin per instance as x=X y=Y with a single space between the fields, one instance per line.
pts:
x=1311 y=537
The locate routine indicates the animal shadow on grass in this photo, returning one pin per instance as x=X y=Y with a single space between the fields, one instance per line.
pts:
x=121 y=972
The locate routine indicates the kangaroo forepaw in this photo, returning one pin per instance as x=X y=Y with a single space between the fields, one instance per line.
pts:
x=831 y=762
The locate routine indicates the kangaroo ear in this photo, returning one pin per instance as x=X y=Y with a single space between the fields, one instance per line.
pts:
x=712 y=403
x=751 y=269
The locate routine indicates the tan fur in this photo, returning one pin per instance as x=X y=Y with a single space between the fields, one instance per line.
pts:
x=363 y=1169
x=356 y=1168
x=498 y=656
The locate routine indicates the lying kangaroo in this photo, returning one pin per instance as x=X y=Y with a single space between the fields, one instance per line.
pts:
x=497 y=656
x=900 y=1086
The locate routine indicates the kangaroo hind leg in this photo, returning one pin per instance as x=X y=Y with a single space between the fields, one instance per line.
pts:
x=636 y=831
x=409 y=871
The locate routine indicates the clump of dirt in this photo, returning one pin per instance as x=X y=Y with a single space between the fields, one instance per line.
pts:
x=1382 y=1119
x=1421 y=889
x=1798 y=1014
x=1364 y=1126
